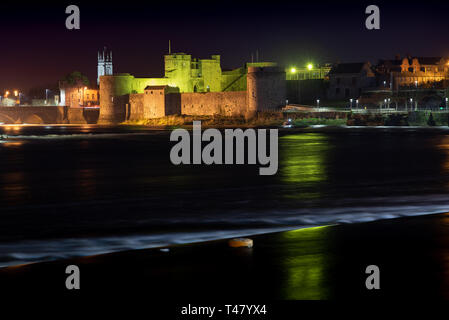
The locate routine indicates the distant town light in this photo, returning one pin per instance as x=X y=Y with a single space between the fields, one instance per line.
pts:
x=310 y=66
x=16 y=93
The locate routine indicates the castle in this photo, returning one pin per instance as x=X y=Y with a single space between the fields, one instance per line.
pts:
x=192 y=86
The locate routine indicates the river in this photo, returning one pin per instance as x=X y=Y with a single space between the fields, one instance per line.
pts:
x=70 y=191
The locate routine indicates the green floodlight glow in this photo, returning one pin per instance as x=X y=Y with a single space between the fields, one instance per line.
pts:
x=293 y=70
x=310 y=66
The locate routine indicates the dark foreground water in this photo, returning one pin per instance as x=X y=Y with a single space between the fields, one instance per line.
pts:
x=73 y=191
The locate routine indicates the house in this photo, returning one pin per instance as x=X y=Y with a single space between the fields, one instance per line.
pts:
x=347 y=80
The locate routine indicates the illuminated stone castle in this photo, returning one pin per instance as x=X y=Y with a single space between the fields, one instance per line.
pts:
x=192 y=87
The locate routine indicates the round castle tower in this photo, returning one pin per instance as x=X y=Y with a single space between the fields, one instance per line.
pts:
x=266 y=89
x=114 y=91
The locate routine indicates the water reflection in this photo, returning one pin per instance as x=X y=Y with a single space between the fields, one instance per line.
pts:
x=303 y=163
x=306 y=264
x=443 y=146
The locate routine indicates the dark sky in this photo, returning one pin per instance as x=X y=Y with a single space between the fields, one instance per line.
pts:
x=37 y=49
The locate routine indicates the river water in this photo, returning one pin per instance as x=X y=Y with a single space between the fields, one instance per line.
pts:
x=70 y=191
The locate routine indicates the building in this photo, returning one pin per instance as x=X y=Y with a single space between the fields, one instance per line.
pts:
x=192 y=75
x=413 y=72
x=78 y=95
x=348 y=80
x=104 y=66
x=193 y=87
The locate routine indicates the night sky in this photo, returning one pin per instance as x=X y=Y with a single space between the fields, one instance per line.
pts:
x=37 y=48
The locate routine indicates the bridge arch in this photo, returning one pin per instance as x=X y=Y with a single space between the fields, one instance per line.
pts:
x=6 y=119
x=33 y=119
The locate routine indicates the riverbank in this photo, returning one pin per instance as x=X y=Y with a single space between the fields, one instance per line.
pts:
x=315 y=263
x=304 y=119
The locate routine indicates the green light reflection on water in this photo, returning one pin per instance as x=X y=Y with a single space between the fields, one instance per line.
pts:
x=305 y=264
x=303 y=163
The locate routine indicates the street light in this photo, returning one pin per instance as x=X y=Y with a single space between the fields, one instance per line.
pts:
x=416 y=83
x=46 y=95
x=447 y=99
x=350 y=100
x=318 y=103
x=310 y=66
x=293 y=70
x=357 y=103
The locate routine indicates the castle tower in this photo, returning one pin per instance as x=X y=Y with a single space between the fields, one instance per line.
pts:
x=104 y=67
x=266 y=89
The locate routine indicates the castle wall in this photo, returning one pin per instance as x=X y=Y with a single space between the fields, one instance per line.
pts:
x=135 y=107
x=154 y=104
x=214 y=103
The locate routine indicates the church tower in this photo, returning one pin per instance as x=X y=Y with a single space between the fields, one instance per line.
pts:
x=104 y=67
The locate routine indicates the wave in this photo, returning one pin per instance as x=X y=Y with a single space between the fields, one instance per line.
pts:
x=212 y=228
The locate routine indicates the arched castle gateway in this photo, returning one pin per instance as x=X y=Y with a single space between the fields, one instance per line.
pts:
x=193 y=87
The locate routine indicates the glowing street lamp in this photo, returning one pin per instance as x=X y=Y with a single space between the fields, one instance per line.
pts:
x=447 y=100
x=350 y=100
x=310 y=66
x=293 y=70
x=46 y=95
x=357 y=103
x=16 y=93
x=318 y=103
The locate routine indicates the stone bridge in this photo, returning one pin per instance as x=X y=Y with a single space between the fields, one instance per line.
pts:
x=48 y=115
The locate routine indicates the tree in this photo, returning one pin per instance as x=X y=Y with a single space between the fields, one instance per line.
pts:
x=76 y=77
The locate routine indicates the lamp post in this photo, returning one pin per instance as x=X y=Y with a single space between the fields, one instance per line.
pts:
x=350 y=100
x=318 y=103
x=293 y=72
x=357 y=104
x=46 y=95
x=447 y=99
x=411 y=103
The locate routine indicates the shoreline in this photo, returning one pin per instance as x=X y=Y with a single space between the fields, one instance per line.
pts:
x=324 y=262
